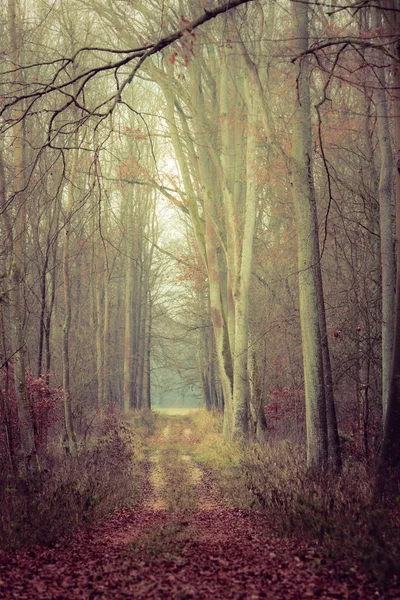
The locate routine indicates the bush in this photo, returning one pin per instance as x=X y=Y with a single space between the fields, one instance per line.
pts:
x=46 y=411
x=70 y=491
x=338 y=513
x=144 y=422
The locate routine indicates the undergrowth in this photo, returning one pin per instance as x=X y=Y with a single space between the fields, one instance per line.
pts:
x=70 y=492
x=337 y=512
x=145 y=423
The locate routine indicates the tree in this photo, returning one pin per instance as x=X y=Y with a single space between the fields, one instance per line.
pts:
x=390 y=451
x=28 y=450
x=308 y=251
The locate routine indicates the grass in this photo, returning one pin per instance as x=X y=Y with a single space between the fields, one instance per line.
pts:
x=177 y=491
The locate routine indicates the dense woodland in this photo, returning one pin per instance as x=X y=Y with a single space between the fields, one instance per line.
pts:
x=200 y=196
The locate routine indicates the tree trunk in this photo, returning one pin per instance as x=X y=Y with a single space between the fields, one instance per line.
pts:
x=106 y=335
x=147 y=357
x=71 y=437
x=241 y=294
x=51 y=284
x=386 y=225
x=259 y=427
x=308 y=249
x=99 y=277
x=390 y=449
x=128 y=383
x=25 y=420
x=334 y=451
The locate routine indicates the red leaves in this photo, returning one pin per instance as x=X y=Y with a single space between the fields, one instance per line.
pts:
x=45 y=404
x=192 y=268
x=131 y=168
x=222 y=552
x=186 y=43
x=225 y=553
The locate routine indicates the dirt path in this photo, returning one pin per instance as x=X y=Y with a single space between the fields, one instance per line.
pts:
x=183 y=543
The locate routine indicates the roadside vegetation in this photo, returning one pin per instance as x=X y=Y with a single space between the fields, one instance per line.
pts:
x=338 y=512
x=69 y=492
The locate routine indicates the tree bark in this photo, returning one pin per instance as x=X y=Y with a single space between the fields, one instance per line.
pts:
x=388 y=265
x=69 y=426
x=390 y=449
x=241 y=294
x=128 y=383
x=308 y=249
x=25 y=419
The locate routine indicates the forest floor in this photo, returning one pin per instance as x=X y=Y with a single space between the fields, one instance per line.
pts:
x=183 y=542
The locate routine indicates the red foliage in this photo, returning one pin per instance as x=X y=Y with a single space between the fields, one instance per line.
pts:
x=192 y=269
x=185 y=45
x=131 y=168
x=45 y=404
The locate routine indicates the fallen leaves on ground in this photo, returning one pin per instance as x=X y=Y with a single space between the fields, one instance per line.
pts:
x=224 y=554
x=210 y=552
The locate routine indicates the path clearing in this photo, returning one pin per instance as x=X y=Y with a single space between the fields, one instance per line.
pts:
x=182 y=543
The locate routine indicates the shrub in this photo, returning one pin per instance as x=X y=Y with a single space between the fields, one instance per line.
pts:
x=70 y=491
x=336 y=512
x=145 y=422
x=46 y=408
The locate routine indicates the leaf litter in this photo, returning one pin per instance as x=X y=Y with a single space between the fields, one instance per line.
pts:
x=206 y=551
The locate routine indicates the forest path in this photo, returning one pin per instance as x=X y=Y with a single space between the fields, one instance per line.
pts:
x=183 y=542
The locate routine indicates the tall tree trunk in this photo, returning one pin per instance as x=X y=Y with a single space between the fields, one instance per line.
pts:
x=334 y=451
x=128 y=383
x=241 y=295
x=388 y=265
x=308 y=249
x=106 y=334
x=203 y=352
x=43 y=301
x=390 y=449
x=51 y=284
x=259 y=427
x=25 y=419
x=45 y=278
x=4 y=397
x=99 y=327
x=71 y=437
x=148 y=354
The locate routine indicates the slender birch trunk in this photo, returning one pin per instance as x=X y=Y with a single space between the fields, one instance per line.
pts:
x=388 y=265
x=390 y=449
x=128 y=383
x=25 y=420
x=71 y=437
x=308 y=249
x=240 y=363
